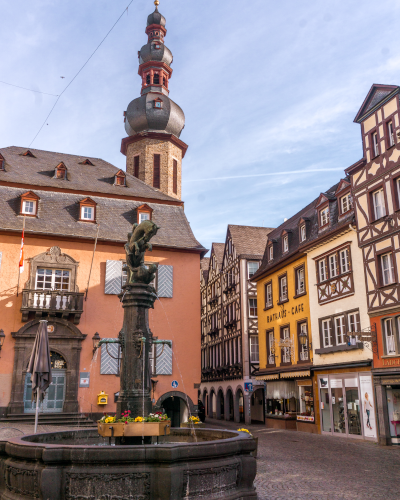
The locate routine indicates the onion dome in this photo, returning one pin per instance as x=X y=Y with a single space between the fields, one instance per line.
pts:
x=156 y=18
x=154 y=112
x=155 y=52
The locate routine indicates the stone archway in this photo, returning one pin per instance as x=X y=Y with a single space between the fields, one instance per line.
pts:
x=186 y=408
x=64 y=338
x=239 y=405
x=205 y=400
x=229 y=405
x=212 y=403
x=220 y=404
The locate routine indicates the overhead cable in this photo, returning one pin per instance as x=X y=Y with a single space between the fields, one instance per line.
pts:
x=31 y=90
x=93 y=53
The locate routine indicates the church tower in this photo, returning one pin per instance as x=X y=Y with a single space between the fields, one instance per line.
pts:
x=153 y=121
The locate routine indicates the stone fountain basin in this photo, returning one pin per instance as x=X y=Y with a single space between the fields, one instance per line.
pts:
x=80 y=465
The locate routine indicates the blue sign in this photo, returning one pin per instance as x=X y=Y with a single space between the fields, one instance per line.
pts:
x=248 y=386
x=174 y=384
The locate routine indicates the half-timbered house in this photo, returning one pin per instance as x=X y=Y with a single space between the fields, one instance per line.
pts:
x=230 y=332
x=341 y=362
x=375 y=181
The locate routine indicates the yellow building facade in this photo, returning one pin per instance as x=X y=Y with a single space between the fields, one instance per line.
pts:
x=284 y=329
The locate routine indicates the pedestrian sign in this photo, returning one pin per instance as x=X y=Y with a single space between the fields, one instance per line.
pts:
x=174 y=384
x=248 y=386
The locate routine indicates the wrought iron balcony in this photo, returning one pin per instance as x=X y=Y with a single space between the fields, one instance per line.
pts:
x=52 y=303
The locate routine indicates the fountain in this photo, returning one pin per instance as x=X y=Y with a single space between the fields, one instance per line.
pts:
x=84 y=465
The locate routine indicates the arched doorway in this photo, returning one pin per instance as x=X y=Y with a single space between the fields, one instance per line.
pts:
x=220 y=405
x=212 y=400
x=205 y=400
x=239 y=403
x=229 y=415
x=177 y=405
x=54 y=397
x=65 y=343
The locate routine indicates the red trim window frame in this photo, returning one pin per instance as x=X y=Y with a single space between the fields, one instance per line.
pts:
x=87 y=203
x=120 y=178
x=145 y=210
x=158 y=103
x=371 y=198
x=379 y=261
x=31 y=200
x=61 y=171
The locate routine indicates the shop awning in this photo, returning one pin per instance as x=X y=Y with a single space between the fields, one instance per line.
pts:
x=268 y=377
x=305 y=373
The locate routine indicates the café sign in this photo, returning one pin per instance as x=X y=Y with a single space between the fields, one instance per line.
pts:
x=284 y=313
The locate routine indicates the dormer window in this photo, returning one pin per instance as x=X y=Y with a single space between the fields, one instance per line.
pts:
x=2 y=162
x=323 y=217
x=29 y=204
x=120 y=178
x=87 y=210
x=302 y=233
x=86 y=162
x=375 y=146
x=345 y=203
x=144 y=213
x=285 y=243
x=270 y=253
x=158 y=103
x=60 y=171
x=28 y=153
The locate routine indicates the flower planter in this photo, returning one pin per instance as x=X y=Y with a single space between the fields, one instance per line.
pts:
x=191 y=425
x=147 y=428
x=116 y=429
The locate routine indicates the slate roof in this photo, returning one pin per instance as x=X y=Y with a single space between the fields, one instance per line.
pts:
x=313 y=233
x=376 y=94
x=249 y=241
x=204 y=265
x=219 y=252
x=98 y=178
x=58 y=215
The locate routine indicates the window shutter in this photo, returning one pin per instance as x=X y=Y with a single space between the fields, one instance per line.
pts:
x=113 y=277
x=175 y=177
x=164 y=360
x=109 y=365
x=136 y=167
x=156 y=172
x=165 y=281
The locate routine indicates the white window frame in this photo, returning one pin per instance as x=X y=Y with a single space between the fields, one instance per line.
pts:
x=387 y=270
x=326 y=332
x=249 y=265
x=285 y=243
x=303 y=234
x=252 y=299
x=322 y=271
x=345 y=203
x=389 y=336
x=333 y=266
x=286 y=358
x=344 y=257
x=268 y=298
x=375 y=144
x=283 y=290
x=254 y=349
x=301 y=281
x=324 y=216
x=340 y=329
x=271 y=253
x=353 y=323
x=378 y=201
x=304 y=348
x=271 y=342
x=85 y=216
x=32 y=208
x=143 y=216
x=390 y=131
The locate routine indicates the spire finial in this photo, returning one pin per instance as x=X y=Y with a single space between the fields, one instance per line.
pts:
x=156 y=3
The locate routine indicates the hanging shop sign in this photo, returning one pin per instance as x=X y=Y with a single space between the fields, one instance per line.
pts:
x=305 y=418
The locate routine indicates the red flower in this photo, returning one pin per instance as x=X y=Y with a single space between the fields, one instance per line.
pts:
x=126 y=422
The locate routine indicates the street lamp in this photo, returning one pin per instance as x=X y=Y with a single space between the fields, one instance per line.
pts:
x=2 y=337
x=303 y=339
x=95 y=339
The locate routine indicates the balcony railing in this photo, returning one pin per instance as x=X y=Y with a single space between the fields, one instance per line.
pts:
x=52 y=303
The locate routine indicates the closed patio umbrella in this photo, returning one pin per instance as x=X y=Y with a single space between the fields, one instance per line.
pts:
x=40 y=366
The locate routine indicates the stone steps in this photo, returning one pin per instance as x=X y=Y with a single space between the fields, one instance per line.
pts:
x=67 y=419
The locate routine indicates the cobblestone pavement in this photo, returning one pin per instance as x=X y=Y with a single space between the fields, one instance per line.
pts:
x=302 y=466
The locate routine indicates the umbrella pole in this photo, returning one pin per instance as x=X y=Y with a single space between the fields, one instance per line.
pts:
x=37 y=411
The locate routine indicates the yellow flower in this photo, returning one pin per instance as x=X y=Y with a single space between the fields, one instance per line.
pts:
x=139 y=419
x=109 y=420
x=244 y=430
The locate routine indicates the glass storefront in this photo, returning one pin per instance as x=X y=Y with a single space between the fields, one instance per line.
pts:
x=393 y=401
x=347 y=405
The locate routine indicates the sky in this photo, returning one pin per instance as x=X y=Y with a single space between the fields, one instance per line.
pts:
x=269 y=89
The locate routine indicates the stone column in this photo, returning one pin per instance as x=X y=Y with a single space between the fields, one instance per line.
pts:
x=135 y=393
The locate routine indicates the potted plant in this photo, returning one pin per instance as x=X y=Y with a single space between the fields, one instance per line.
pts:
x=156 y=424
x=107 y=426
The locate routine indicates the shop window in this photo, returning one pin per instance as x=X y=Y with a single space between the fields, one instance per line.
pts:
x=268 y=295
x=253 y=308
x=254 y=351
x=283 y=291
x=252 y=268
x=306 y=400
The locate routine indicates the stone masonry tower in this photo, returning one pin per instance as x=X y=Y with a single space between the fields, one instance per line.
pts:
x=153 y=121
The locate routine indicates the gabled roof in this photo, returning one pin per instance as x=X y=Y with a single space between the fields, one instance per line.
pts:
x=204 y=265
x=343 y=184
x=376 y=94
x=249 y=241
x=98 y=176
x=218 y=250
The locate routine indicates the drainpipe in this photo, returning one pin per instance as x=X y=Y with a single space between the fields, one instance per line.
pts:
x=352 y=228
